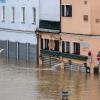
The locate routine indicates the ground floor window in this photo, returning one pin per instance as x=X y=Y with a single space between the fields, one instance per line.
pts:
x=46 y=44
x=76 y=48
x=56 y=45
x=65 y=47
x=41 y=43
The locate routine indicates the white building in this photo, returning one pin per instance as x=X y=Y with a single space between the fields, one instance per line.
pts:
x=18 y=20
x=50 y=10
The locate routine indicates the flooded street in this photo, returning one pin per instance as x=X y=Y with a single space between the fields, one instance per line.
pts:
x=30 y=83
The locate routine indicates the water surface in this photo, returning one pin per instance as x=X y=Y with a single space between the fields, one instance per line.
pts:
x=21 y=82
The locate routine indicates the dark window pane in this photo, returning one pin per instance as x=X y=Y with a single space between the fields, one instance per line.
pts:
x=63 y=46
x=68 y=10
x=56 y=45
x=41 y=43
x=67 y=47
x=46 y=44
x=77 y=48
x=62 y=10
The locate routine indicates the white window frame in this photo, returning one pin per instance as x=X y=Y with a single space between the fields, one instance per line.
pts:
x=12 y=14
x=3 y=14
x=34 y=15
x=22 y=15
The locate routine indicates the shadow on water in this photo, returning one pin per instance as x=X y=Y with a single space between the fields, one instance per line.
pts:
x=27 y=82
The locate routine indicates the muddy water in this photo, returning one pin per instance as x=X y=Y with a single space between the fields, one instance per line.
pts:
x=21 y=82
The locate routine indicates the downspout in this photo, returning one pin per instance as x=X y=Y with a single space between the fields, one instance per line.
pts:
x=60 y=16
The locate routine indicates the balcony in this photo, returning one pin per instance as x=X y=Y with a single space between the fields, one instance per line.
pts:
x=49 y=26
x=65 y=55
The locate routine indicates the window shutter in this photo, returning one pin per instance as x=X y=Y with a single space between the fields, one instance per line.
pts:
x=62 y=10
x=63 y=46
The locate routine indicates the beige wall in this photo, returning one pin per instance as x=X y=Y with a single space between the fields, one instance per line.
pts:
x=76 y=24
x=87 y=43
x=95 y=14
x=46 y=35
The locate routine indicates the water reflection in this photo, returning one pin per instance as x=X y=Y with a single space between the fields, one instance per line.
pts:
x=82 y=86
x=26 y=82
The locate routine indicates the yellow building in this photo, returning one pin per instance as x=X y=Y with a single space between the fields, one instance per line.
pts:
x=78 y=37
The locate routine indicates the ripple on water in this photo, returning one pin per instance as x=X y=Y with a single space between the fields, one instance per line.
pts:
x=30 y=83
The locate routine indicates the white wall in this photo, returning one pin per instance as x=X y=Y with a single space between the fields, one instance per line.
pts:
x=27 y=37
x=28 y=4
x=46 y=10
x=50 y=10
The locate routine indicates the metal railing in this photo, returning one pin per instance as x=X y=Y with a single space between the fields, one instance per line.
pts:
x=66 y=55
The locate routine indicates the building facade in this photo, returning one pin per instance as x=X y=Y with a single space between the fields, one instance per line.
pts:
x=18 y=21
x=19 y=15
x=49 y=24
x=80 y=27
x=77 y=39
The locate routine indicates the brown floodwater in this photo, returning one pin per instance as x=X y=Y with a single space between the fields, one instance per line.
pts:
x=27 y=82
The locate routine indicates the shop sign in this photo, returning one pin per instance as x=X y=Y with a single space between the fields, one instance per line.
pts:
x=85 y=46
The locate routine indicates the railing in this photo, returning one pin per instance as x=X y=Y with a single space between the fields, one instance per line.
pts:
x=54 y=53
x=66 y=55
x=74 y=56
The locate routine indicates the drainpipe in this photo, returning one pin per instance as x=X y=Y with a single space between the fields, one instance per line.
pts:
x=60 y=16
x=60 y=32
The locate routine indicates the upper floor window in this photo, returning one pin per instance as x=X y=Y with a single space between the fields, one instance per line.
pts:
x=85 y=2
x=34 y=15
x=13 y=14
x=85 y=18
x=3 y=14
x=67 y=10
x=23 y=15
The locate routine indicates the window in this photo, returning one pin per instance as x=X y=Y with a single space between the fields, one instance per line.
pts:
x=97 y=20
x=46 y=44
x=3 y=14
x=85 y=18
x=67 y=10
x=85 y=2
x=77 y=48
x=13 y=14
x=34 y=15
x=65 y=47
x=23 y=15
x=56 y=45
x=41 y=43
